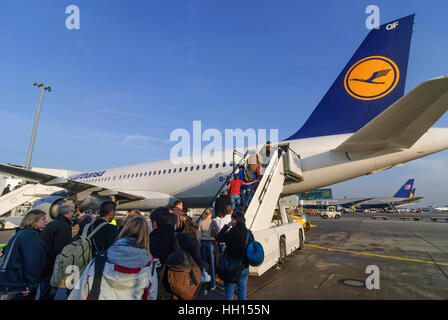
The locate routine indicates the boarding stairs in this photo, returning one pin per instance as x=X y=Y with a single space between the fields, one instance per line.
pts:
x=27 y=193
x=284 y=167
x=239 y=159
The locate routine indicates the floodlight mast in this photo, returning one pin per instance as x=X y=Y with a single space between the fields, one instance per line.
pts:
x=36 y=121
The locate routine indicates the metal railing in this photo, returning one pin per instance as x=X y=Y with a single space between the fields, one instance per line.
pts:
x=226 y=180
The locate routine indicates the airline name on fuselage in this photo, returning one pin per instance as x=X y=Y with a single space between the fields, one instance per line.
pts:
x=88 y=175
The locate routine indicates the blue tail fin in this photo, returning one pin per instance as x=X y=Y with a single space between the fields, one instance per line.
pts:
x=372 y=80
x=406 y=190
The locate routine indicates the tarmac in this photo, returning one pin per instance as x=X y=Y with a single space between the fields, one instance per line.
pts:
x=411 y=257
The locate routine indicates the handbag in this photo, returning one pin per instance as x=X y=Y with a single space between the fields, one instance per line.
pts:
x=254 y=252
x=229 y=270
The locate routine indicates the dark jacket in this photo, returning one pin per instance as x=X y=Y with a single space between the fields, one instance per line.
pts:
x=5 y=191
x=56 y=235
x=236 y=241
x=104 y=238
x=26 y=263
x=162 y=242
x=221 y=203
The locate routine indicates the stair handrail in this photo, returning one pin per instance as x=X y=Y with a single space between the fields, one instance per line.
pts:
x=226 y=180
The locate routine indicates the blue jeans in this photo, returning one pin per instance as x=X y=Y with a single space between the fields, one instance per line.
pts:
x=208 y=254
x=249 y=193
x=236 y=199
x=241 y=286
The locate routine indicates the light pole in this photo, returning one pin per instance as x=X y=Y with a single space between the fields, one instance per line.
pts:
x=33 y=136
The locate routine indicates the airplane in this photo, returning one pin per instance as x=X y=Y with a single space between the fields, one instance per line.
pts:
x=440 y=209
x=404 y=196
x=358 y=128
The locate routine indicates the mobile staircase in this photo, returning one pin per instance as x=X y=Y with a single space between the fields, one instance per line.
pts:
x=279 y=237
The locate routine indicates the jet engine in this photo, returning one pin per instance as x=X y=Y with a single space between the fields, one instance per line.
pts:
x=49 y=205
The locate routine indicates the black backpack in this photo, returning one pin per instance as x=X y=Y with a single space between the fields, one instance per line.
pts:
x=249 y=176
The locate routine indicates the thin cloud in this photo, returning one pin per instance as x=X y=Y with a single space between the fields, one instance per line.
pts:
x=137 y=138
x=125 y=114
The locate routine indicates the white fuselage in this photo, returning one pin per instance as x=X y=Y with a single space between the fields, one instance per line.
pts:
x=320 y=166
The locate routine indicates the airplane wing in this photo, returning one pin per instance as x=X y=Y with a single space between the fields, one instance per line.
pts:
x=70 y=185
x=404 y=122
x=347 y=203
x=409 y=201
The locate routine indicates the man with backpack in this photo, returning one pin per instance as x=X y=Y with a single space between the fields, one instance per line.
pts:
x=56 y=235
x=247 y=189
x=94 y=237
x=108 y=233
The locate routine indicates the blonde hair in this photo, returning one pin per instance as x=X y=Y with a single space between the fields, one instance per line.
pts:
x=191 y=228
x=31 y=218
x=132 y=214
x=208 y=212
x=137 y=227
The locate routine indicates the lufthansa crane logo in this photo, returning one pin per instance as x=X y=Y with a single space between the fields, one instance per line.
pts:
x=371 y=78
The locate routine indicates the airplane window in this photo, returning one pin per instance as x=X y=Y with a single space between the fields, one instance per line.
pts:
x=224 y=164
x=192 y=167
x=197 y=168
x=180 y=169
x=169 y=171
x=203 y=167
x=160 y=171
x=217 y=165
x=149 y=173
x=145 y=174
x=174 y=171
x=141 y=174
x=128 y=176
x=154 y=173
x=164 y=171
x=186 y=169
x=132 y=175
x=210 y=166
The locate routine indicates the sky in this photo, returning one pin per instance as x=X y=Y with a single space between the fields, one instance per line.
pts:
x=137 y=70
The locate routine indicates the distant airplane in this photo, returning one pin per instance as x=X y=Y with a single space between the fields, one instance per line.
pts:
x=440 y=209
x=354 y=130
x=404 y=196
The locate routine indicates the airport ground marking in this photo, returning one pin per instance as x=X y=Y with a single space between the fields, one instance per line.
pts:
x=378 y=255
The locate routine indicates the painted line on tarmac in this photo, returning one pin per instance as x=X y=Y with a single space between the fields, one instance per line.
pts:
x=378 y=255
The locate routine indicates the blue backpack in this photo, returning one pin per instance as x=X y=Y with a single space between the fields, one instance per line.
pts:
x=254 y=251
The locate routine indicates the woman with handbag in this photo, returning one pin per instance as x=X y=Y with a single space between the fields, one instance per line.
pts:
x=23 y=259
x=233 y=261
